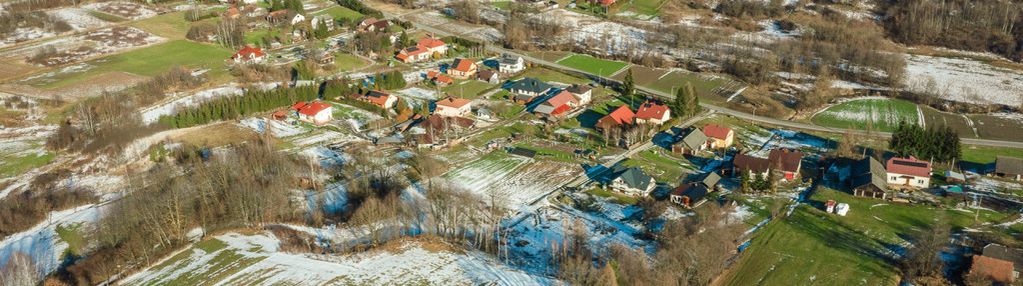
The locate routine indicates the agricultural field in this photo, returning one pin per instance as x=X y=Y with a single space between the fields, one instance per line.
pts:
x=549 y=75
x=171 y=25
x=647 y=8
x=550 y=56
x=960 y=123
x=999 y=126
x=593 y=65
x=514 y=180
x=812 y=247
x=339 y=12
x=348 y=62
x=964 y=80
x=883 y=113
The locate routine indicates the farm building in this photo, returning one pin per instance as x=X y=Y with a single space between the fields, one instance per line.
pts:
x=451 y=106
x=583 y=92
x=463 y=68
x=999 y=251
x=653 y=113
x=528 y=88
x=693 y=142
x=908 y=172
x=557 y=106
x=867 y=179
x=510 y=64
x=1009 y=167
x=248 y=55
x=314 y=112
x=720 y=137
x=632 y=181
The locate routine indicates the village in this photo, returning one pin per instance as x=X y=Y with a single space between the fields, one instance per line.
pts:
x=553 y=156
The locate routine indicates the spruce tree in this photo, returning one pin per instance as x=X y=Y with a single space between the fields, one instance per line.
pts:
x=629 y=88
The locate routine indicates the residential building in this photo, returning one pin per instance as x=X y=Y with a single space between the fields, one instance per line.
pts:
x=451 y=106
x=1009 y=167
x=581 y=91
x=278 y=16
x=248 y=55
x=463 y=68
x=299 y=18
x=999 y=271
x=324 y=20
x=314 y=112
x=232 y=13
x=908 y=172
x=439 y=78
x=371 y=24
x=557 y=106
x=1013 y=255
x=422 y=51
x=689 y=195
x=693 y=142
x=510 y=64
x=632 y=181
x=787 y=161
x=720 y=137
x=653 y=113
x=754 y=166
x=867 y=179
x=489 y=76
x=619 y=117
x=381 y=99
x=528 y=88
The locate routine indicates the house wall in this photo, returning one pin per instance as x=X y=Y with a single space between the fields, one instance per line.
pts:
x=451 y=111
x=903 y=180
x=619 y=185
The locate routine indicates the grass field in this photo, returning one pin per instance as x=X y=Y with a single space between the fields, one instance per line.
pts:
x=713 y=88
x=663 y=168
x=13 y=166
x=593 y=65
x=170 y=25
x=998 y=128
x=469 y=89
x=503 y=5
x=814 y=248
x=552 y=76
x=958 y=122
x=148 y=61
x=644 y=7
x=551 y=56
x=339 y=12
x=73 y=236
x=256 y=37
x=348 y=62
x=217 y=261
x=983 y=154
x=884 y=114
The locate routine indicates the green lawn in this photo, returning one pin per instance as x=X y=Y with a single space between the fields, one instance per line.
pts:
x=73 y=236
x=503 y=5
x=256 y=37
x=714 y=88
x=339 y=12
x=549 y=75
x=148 y=61
x=617 y=197
x=884 y=114
x=348 y=62
x=13 y=166
x=469 y=89
x=663 y=168
x=812 y=247
x=170 y=25
x=593 y=65
x=983 y=154
x=106 y=17
x=645 y=7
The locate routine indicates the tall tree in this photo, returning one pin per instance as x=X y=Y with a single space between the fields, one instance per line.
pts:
x=629 y=87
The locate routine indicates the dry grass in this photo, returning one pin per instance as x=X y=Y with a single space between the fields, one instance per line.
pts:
x=216 y=135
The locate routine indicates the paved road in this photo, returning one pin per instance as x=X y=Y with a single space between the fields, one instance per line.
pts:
x=735 y=113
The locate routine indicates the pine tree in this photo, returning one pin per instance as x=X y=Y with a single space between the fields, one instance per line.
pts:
x=629 y=87
x=276 y=5
x=678 y=104
x=692 y=101
x=404 y=39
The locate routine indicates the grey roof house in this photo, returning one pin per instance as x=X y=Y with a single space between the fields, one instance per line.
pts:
x=868 y=178
x=1009 y=167
x=632 y=181
x=529 y=87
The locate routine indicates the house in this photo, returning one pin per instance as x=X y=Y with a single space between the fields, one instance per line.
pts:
x=381 y=99
x=314 y=112
x=720 y=137
x=998 y=251
x=557 y=106
x=632 y=181
x=620 y=116
x=463 y=68
x=441 y=131
x=908 y=172
x=439 y=78
x=528 y=88
x=754 y=166
x=371 y=24
x=787 y=161
x=510 y=64
x=489 y=76
x=484 y=113
x=248 y=55
x=232 y=13
x=276 y=17
x=325 y=20
x=998 y=270
x=1009 y=167
x=299 y=18
x=689 y=195
x=583 y=92
x=694 y=142
x=867 y=179
x=653 y=113
x=451 y=106
x=422 y=51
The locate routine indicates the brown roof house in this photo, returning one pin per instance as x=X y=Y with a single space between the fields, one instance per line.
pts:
x=787 y=161
x=998 y=270
x=1009 y=167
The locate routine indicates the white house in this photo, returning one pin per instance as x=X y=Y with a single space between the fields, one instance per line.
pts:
x=453 y=107
x=298 y=19
x=653 y=113
x=314 y=112
x=582 y=92
x=324 y=20
x=842 y=209
x=248 y=54
x=511 y=64
x=908 y=173
x=423 y=50
x=633 y=182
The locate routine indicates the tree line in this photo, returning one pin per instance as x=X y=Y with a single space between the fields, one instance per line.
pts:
x=934 y=143
x=234 y=107
x=979 y=25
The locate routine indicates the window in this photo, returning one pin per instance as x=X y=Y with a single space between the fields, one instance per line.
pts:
x=894 y=178
x=919 y=181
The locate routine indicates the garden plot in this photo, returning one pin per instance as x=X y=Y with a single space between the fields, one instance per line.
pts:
x=277 y=128
x=129 y=10
x=964 y=80
x=884 y=113
x=236 y=259
x=22 y=34
x=515 y=180
x=152 y=114
x=357 y=118
x=78 y=18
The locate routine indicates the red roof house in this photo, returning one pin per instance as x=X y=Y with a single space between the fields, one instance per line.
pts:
x=654 y=113
x=908 y=172
x=314 y=112
x=621 y=116
x=787 y=161
x=720 y=137
x=248 y=54
x=993 y=268
x=463 y=68
x=381 y=99
x=453 y=107
x=557 y=105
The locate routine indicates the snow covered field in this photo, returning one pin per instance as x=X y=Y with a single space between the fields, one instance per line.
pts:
x=964 y=80
x=515 y=180
x=236 y=259
x=78 y=18
x=42 y=242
